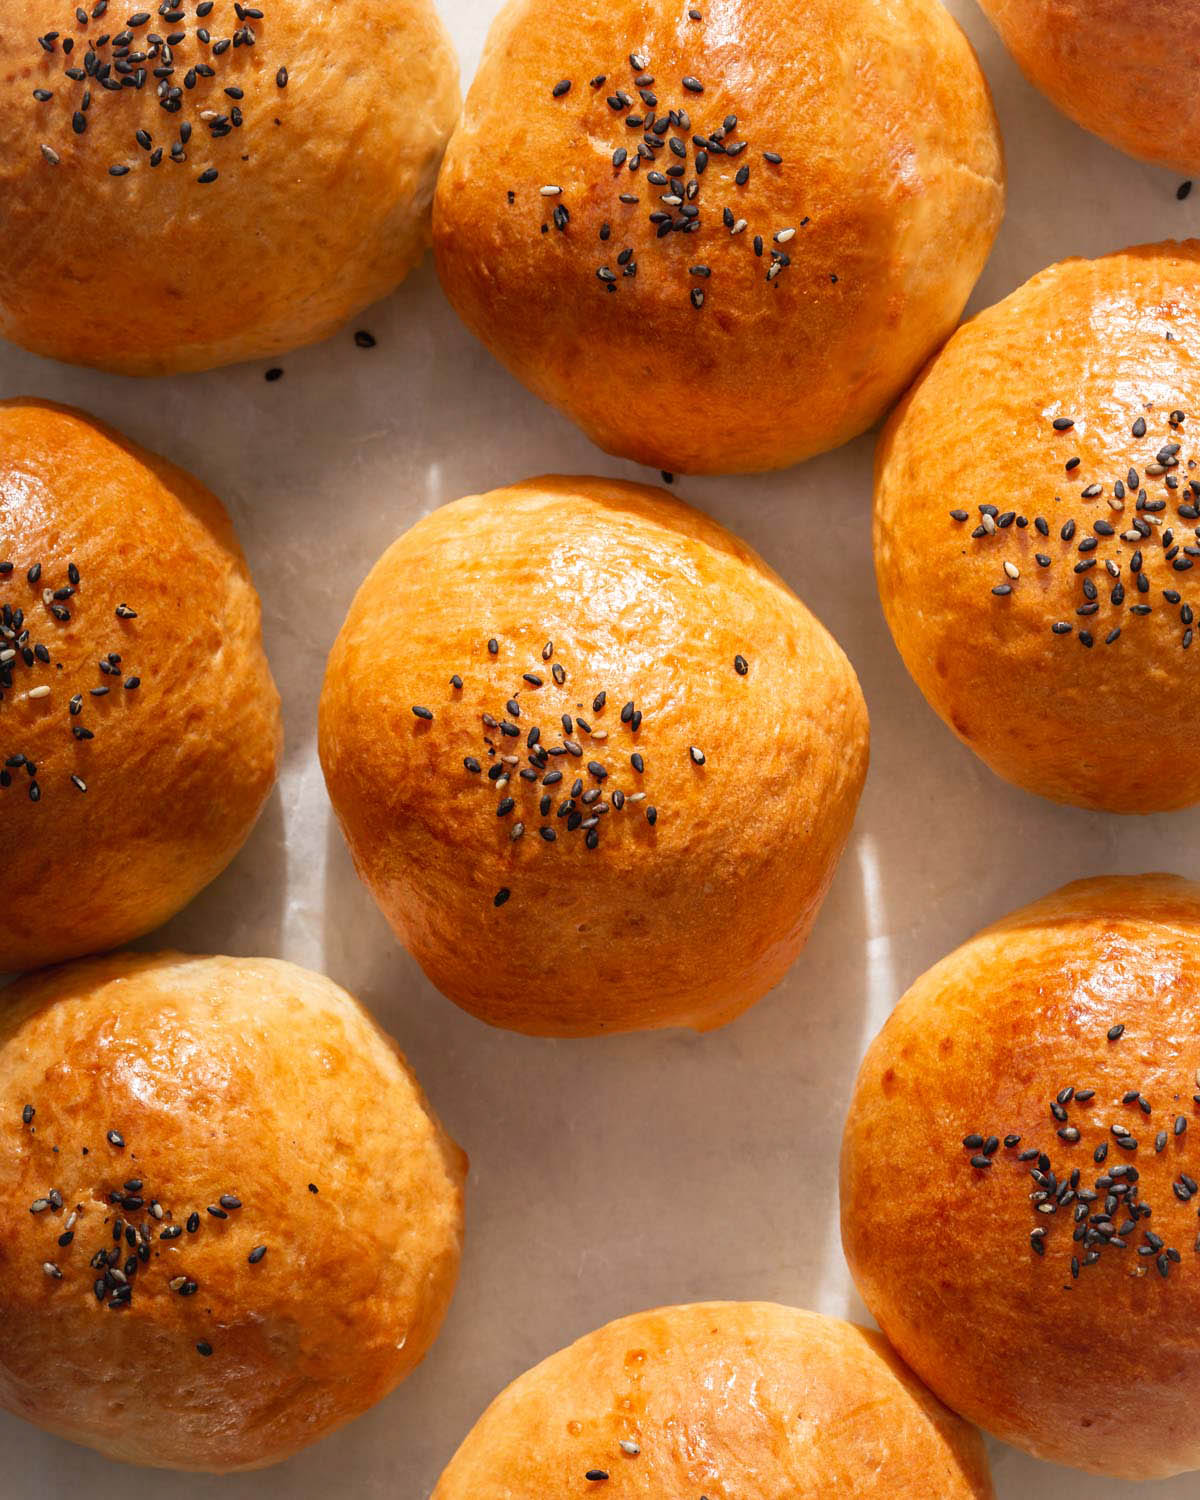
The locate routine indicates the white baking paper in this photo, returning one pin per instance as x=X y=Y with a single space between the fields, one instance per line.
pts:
x=616 y=1174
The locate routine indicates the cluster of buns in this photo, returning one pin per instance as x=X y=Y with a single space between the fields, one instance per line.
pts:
x=578 y=723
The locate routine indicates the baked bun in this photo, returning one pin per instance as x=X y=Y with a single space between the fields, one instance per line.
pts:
x=1102 y=63
x=624 y=872
x=856 y=140
x=139 y=725
x=1037 y=501
x=723 y=1398
x=212 y=184
x=1021 y=1116
x=228 y=1220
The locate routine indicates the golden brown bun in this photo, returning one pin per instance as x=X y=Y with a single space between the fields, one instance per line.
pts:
x=321 y=204
x=1105 y=63
x=1101 y=1371
x=221 y=1076
x=744 y=1399
x=182 y=761
x=684 y=922
x=891 y=177
x=1076 y=717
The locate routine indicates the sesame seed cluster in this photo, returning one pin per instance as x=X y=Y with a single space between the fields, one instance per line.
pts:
x=1106 y=1213
x=548 y=790
x=1153 y=507
x=162 y=52
x=131 y=1232
x=686 y=165
x=30 y=670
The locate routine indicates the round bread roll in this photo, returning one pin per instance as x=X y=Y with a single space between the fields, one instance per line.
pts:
x=1106 y=64
x=1018 y=1178
x=594 y=759
x=1037 y=501
x=229 y=1221
x=139 y=725
x=186 y=188
x=723 y=238
x=724 y=1399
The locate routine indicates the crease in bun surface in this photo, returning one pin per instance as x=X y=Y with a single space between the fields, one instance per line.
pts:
x=1037 y=530
x=768 y=215
x=139 y=725
x=184 y=186
x=1041 y=1272
x=578 y=725
x=720 y=1398
x=229 y=1221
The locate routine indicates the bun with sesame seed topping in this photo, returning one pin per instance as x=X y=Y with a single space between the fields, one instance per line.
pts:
x=1019 y=1178
x=1037 y=531
x=185 y=187
x=719 y=238
x=594 y=759
x=139 y=726
x=229 y=1220
x=745 y=1399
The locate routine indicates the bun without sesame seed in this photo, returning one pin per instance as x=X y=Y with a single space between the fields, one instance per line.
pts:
x=204 y=217
x=1060 y=1040
x=290 y=1209
x=1037 y=499
x=1107 y=64
x=139 y=726
x=660 y=850
x=855 y=139
x=743 y=1399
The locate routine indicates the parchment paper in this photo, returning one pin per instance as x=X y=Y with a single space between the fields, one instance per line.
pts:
x=623 y=1173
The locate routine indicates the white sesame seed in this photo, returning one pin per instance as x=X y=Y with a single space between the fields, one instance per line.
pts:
x=501 y=782
x=784 y=236
x=38 y=692
x=550 y=191
x=630 y=1447
x=1131 y=536
x=739 y=227
x=47 y=596
x=774 y=271
x=1012 y=570
x=989 y=525
x=1115 y=504
x=7 y=655
x=636 y=797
